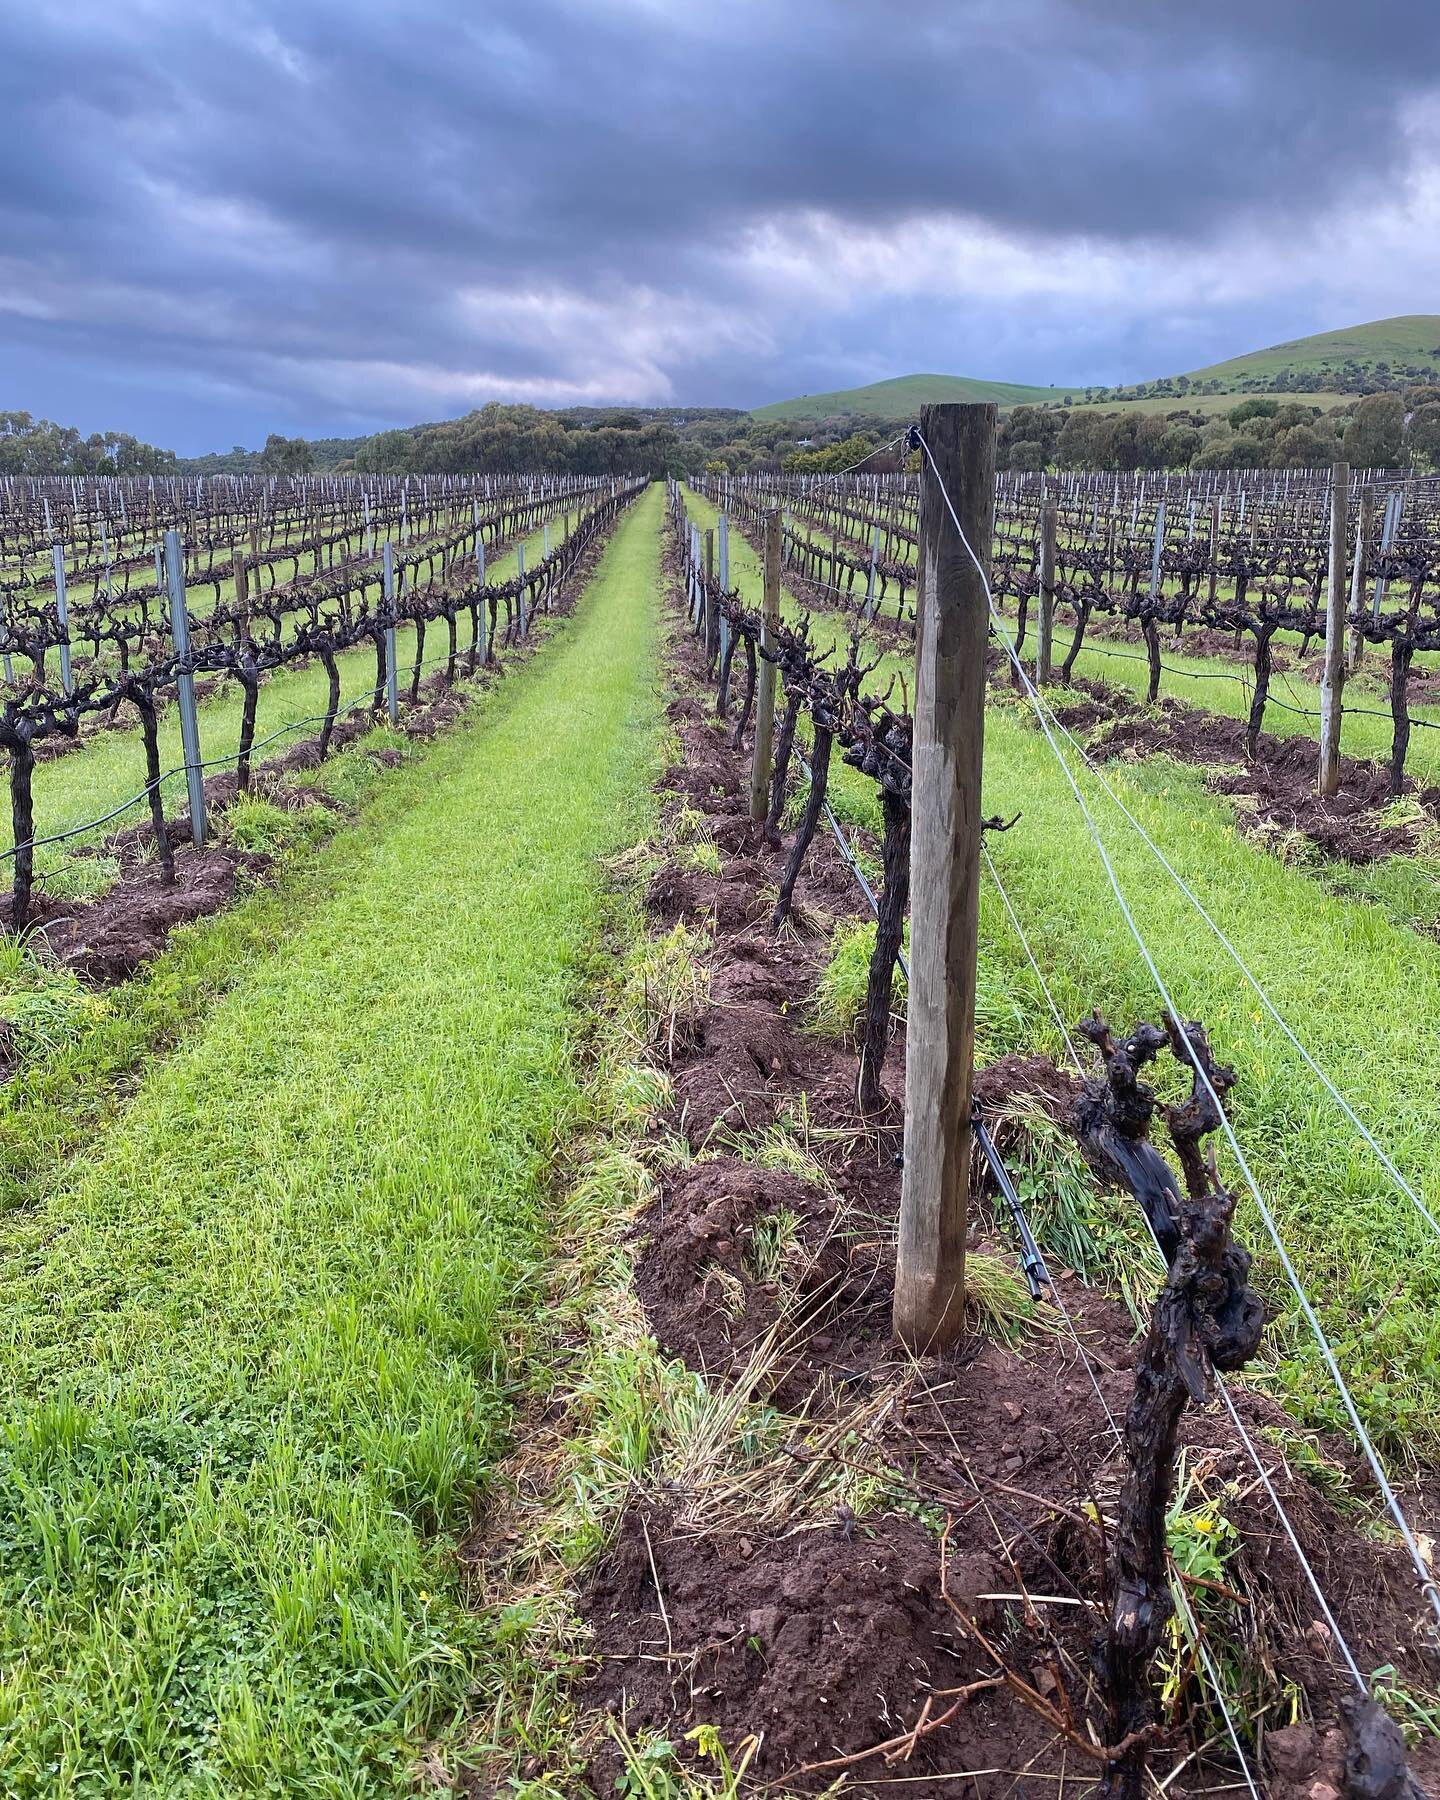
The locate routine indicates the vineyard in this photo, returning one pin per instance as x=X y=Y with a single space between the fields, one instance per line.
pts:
x=763 y=1135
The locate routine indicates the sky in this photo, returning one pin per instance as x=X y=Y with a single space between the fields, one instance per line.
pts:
x=221 y=220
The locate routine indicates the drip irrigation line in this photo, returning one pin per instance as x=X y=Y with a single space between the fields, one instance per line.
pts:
x=1426 y=1579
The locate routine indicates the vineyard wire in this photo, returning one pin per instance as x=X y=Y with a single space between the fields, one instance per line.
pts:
x=1427 y=1581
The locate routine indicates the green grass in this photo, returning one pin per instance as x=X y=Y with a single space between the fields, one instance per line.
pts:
x=1360 y=986
x=1411 y=338
x=1224 y=686
x=904 y=395
x=260 y=1333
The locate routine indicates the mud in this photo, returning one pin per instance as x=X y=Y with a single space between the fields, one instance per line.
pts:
x=815 y=1643
x=1276 y=789
x=708 y=1291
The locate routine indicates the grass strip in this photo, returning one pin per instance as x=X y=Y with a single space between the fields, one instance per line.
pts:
x=261 y=1339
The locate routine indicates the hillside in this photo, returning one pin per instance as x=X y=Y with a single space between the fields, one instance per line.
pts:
x=1410 y=344
x=905 y=394
x=1313 y=369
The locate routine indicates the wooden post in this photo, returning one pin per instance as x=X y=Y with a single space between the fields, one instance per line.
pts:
x=241 y=573
x=1355 y=647
x=1049 y=524
x=1332 y=682
x=765 y=679
x=952 y=627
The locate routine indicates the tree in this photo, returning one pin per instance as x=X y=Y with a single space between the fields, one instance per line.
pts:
x=1029 y=453
x=1252 y=409
x=1303 y=447
x=1375 y=436
x=1179 y=444
x=1423 y=435
x=286 y=456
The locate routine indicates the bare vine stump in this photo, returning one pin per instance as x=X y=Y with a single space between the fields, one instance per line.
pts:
x=1401 y=655
x=1207 y=1316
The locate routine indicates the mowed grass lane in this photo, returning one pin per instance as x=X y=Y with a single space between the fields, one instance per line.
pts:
x=256 y=1339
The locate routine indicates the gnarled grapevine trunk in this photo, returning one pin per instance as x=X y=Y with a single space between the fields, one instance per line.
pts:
x=1401 y=655
x=889 y=934
x=332 y=671
x=747 y=706
x=809 y=819
x=419 y=657
x=1152 y=657
x=780 y=774
x=150 y=736
x=1264 y=631
x=22 y=821
x=1082 y=619
x=250 y=682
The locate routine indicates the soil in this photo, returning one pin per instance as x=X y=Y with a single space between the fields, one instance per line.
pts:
x=814 y=1643
x=827 y=1636
x=1276 y=787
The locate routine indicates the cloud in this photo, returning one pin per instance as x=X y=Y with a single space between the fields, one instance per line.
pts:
x=221 y=221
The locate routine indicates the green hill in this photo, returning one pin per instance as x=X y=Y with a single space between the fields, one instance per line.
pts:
x=1410 y=344
x=1316 y=370
x=902 y=397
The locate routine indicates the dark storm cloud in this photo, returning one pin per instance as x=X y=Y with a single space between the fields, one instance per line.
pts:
x=215 y=221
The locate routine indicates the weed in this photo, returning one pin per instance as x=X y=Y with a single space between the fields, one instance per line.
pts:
x=840 y=993
x=43 y=1007
x=262 y=1332
x=87 y=875
x=254 y=823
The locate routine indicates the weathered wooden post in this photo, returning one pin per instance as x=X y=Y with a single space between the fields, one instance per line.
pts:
x=1332 y=681
x=952 y=625
x=189 y=716
x=1049 y=524
x=241 y=572
x=765 y=677
x=1355 y=645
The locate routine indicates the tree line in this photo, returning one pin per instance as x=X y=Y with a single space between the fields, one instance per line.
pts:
x=30 y=446
x=1378 y=431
